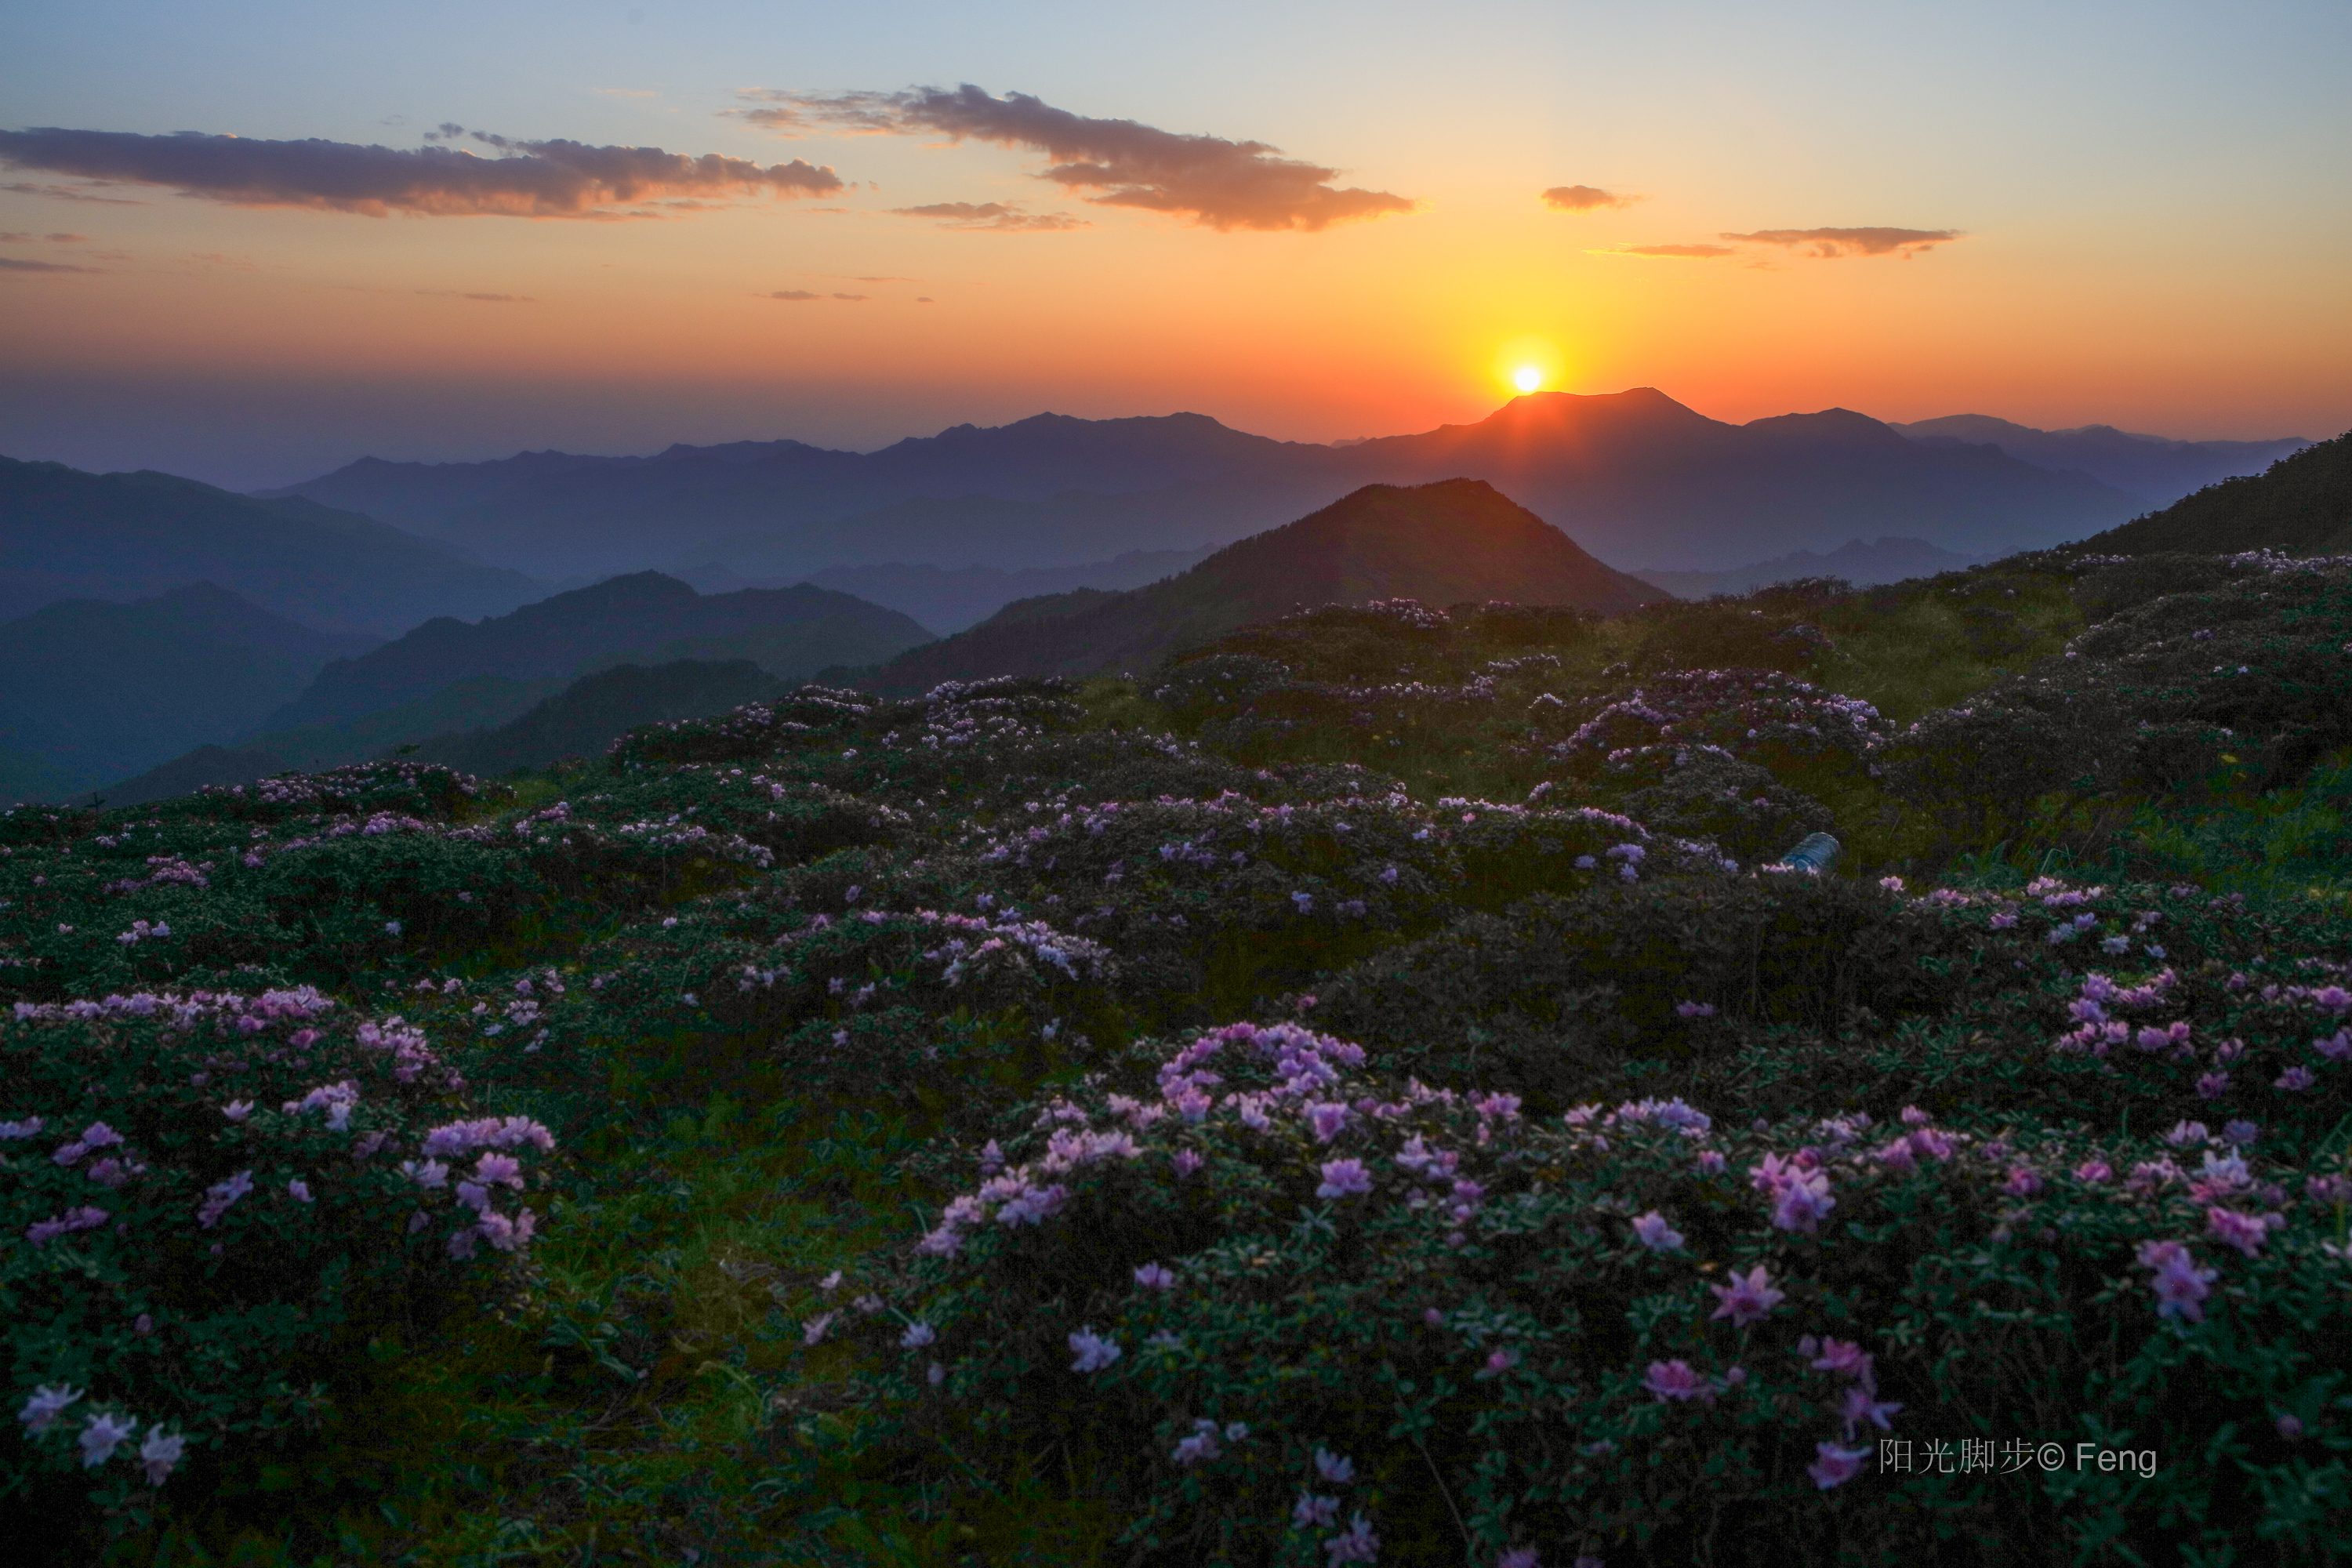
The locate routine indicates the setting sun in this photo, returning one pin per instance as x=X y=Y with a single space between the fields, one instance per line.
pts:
x=1526 y=378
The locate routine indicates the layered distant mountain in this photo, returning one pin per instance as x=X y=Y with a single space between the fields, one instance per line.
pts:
x=66 y=534
x=2155 y=469
x=93 y=690
x=1440 y=543
x=1863 y=565
x=950 y=598
x=582 y=718
x=643 y=618
x=2301 y=505
x=1634 y=474
x=589 y=715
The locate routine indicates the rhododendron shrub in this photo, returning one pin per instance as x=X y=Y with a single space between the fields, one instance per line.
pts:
x=210 y=1198
x=1262 y=1294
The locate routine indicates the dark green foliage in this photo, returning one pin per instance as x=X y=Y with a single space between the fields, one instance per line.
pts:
x=2301 y=505
x=232 y=1174
x=797 y=987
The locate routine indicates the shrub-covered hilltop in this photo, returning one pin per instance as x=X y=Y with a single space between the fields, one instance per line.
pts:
x=1365 y=1093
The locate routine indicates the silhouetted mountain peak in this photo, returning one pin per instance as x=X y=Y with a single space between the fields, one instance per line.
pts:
x=1442 y=542
x=1830 y=427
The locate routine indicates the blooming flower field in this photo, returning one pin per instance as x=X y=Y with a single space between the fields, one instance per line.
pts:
x=1364 y=1094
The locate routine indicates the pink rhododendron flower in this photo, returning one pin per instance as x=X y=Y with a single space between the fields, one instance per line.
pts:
x=1655 y=1234
x=1313 y=1512
x=1675 y=1379
x=160 y=1453
x=1747 y=1300
x=1155 y=1277
x=1094 y=1352
x=2180 y=1285
x=1187 y=1160
x=2095 y=1171
x=1804 y=1204
x=917 y=1336
x=1834 y=1466
x=101 y=1437
x=813 y=1332
x=2024 y=1182
x=1201 y=1447
x=1335 y=1469
x=1344 y=1178
x=2243 y=1231
x=1843 y=1356
x=43 y=1407
x=1862 y=1407
x=1358 y=1544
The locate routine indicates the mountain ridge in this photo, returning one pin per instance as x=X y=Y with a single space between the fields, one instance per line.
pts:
x=1445 y=541
x=66 y=533
x=1632 y=471
x=568 y=633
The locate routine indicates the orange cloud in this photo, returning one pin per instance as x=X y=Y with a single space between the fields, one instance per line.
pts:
x=1002 y=217
x=16 y=263
x=1217 y=183
x=1671 y=252
x=1831 y=243
x=69 y=193
x=527 y=179
x=1586 y=199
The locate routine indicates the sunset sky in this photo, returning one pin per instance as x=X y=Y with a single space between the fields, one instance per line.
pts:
x=1308 y=220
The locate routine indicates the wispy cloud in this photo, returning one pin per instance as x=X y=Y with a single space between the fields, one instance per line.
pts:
x=1669 y=252
x=1831 y=243
x=18 y=264
x=524 y=179
x=1215 y=183
x=1586 y=199
x=1006 y=217
x=790 y=294
x=70 y=192
x=487 y=298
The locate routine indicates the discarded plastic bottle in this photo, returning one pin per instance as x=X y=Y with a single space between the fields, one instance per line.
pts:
x=1813 y=853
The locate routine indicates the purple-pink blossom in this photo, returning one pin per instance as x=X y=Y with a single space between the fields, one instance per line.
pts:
x=1655 y=1234
x=160 y=1453
x=1094 y=1351
x=44 y=1407
x=2243 y=1231
x=1201 y=1447
x=40 y=1233
x=1312 y=1513
x=1356 y=1545
x=1804 y=1203
x=1747 y=1300
x=1344 y=1178
x=1675 y=1379
x=1834 y=1466
x=1155 y=1277
x=102 y=1435
x=2180 y=1285
x=1335 y=1469
x=1843 y=1356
